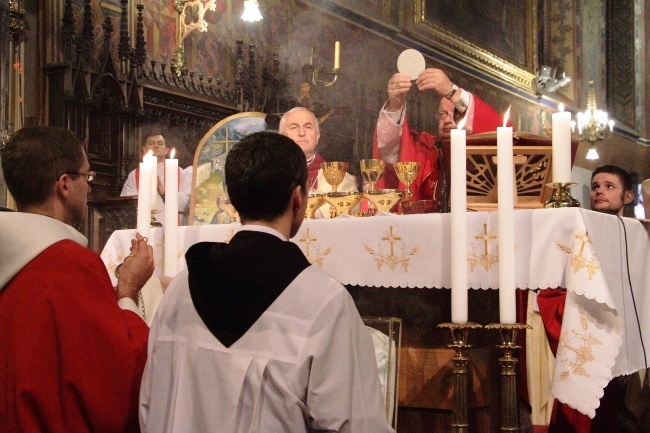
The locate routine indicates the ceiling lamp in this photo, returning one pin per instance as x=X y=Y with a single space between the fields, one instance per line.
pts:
x=251 y=11
x=592 y=154
x=593 y=125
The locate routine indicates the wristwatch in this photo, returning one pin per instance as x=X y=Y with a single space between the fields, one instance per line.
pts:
x=454 y=88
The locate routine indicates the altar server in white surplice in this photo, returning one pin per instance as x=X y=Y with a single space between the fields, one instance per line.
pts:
x=252 y=338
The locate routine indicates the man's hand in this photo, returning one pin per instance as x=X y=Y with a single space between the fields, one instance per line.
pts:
x=436 y=80
x=398 y=86
x=137 y=269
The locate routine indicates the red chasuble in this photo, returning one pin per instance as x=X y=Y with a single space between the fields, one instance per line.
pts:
x=70 y=359
x=420 y=147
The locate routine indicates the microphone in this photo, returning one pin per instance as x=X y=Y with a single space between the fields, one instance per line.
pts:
x=444 y=193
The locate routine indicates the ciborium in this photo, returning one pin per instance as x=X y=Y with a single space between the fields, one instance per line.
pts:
x=384 y=199
x=372 y=170
x=334 y=172
x=224 y=204
x=314 y=202
x=343 y=201
x=406 y=172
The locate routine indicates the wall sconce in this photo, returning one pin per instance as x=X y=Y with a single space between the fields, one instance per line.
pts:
x=194 y=9
x=547 y=79
x=312 y=74
x=251 y=11
x=593 y=125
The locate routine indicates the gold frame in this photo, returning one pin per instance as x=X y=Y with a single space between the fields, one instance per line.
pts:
x=480 y=58
x=197 y=154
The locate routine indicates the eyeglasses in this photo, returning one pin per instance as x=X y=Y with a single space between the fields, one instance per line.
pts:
x=443 y=115
x=90 y=175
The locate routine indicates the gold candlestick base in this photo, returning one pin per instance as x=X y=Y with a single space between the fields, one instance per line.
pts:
x=459 y=332
x=561 y=196
x=508 y=362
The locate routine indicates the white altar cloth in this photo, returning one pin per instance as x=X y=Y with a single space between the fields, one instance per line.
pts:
x=577 y=249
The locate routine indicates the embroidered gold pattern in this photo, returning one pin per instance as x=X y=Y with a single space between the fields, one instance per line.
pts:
x=579 y=261
x=392 y=259
x=313 y=253
x=579 y=342
x=486 y=259
x=158 y=249
x=111 y=263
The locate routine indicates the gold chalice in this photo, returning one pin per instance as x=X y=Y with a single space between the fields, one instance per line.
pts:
x=384 y=199
x=372 y=170
x=225 y=205
x=334 y=172
x=343 y=201
x=314 y=202
x=406 y=173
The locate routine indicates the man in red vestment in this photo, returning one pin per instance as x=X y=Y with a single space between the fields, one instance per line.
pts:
x=301 y=125
x=396 y=141
x=73 y=347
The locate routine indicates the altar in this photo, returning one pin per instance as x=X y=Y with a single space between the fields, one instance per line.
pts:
x=600 y=259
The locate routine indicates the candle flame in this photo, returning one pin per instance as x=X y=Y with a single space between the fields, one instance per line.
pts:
x=560 y=107
x=461 y=124
x=150 y=153
x=505 y=117
x=171 y=154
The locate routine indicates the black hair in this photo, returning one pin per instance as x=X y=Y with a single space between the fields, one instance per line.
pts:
x=624 y=176
x=262 y=170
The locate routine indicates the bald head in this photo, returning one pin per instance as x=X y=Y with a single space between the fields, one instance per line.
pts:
x=301 y=126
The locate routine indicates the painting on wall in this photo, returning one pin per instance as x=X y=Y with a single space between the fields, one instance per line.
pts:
x=495 y=36
x=209 y=203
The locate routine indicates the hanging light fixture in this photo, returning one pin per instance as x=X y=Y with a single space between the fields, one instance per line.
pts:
x=592 y=153
x=593 y=125
x=251 y=11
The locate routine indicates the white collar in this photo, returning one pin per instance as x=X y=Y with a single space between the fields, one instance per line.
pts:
x=262 y=229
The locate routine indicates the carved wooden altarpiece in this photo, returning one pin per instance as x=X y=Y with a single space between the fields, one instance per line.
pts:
x=112 y=97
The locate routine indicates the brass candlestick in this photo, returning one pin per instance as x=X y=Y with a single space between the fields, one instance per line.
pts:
x=509 y=413
x=561 y=196
x=459 y=331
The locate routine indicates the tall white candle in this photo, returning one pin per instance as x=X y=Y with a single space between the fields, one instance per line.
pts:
x=561 y=135
x=152 y=161
x=505 y=181
x=458 y=225
x=144 y=199
x=337 y=55
x=171 y=216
